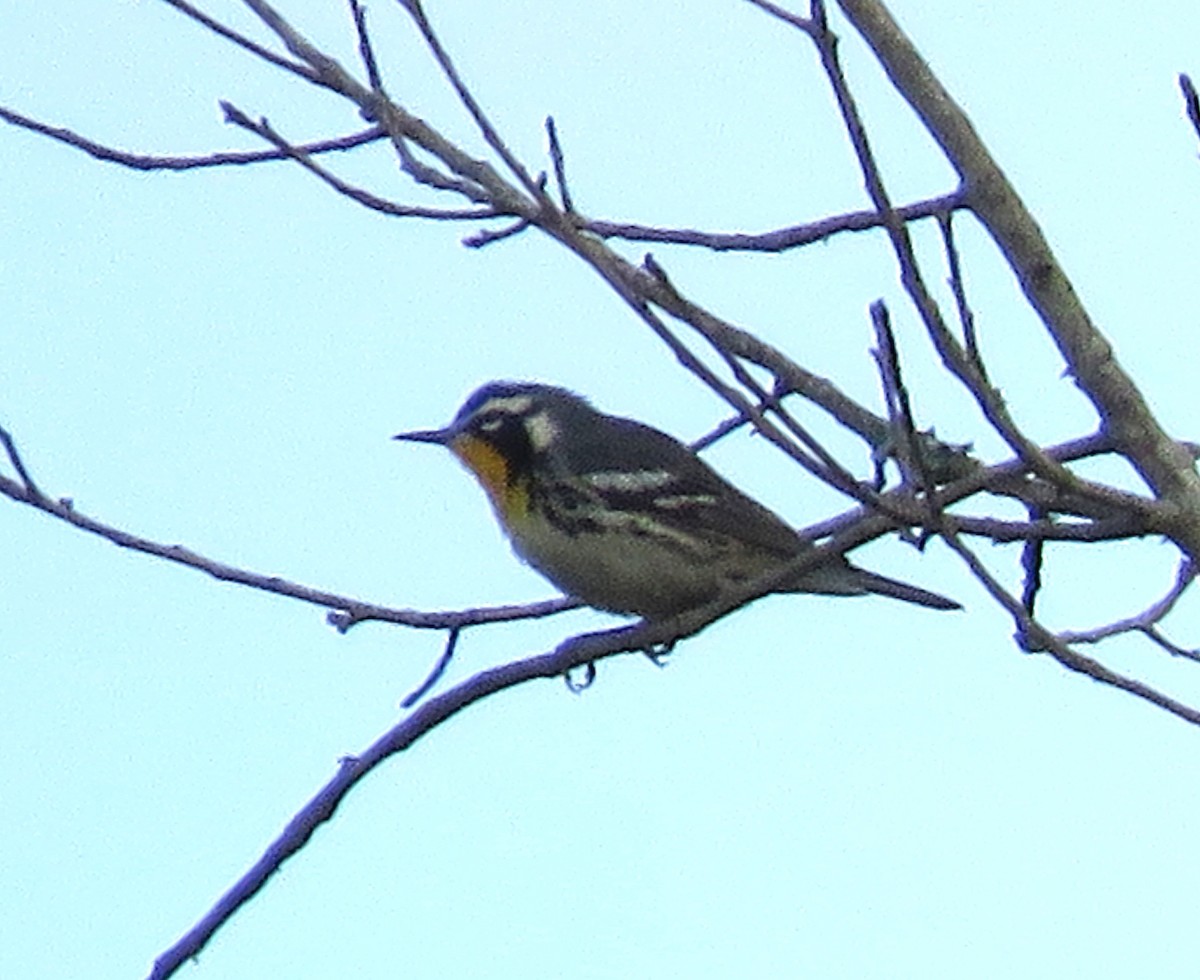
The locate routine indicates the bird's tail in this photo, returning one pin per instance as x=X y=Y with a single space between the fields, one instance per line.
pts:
x=894 y=589
x=842 y=578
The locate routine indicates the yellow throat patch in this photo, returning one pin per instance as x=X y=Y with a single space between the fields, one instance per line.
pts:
x=509 y=497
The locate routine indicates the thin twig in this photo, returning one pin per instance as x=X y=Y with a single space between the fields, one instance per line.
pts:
x=730 y=425
x=366 y=50
x=1154 y=634
x=913 y=472
x=696 y=366
x=1191 y=101
x=801 y=23
x=966 y=316
x=1031 y=564
x=435 y=675
x=489 y=132
x=239 y=39
x=490 y=236
x=143 y=161
x=560 y=169
x=1078 y=532
x=10 y=446
x=430 y=176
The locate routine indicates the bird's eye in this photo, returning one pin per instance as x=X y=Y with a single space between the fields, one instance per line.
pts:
x=491 y=423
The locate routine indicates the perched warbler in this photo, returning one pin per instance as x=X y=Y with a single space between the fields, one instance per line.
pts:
x=625 y=517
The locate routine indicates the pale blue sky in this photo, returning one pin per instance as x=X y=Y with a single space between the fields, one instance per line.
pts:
x=812 y=787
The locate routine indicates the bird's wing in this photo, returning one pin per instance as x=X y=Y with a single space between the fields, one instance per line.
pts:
x=674 y=485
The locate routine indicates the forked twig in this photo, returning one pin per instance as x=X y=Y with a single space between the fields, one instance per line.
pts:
x=1032 y=635
x=1191 y=101
x=18 y=464
x=357 y=194
x=1147 y=620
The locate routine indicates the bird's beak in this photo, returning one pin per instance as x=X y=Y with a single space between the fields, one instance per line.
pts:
x=439 y=437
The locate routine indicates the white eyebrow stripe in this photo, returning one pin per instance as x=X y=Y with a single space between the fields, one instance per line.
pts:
x=629 y=481
x=511 y=405
x=542 y=431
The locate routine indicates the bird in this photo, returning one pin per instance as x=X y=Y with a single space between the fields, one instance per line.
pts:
x=624 y=517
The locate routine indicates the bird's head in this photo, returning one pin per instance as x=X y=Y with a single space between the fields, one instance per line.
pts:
x=502 y=428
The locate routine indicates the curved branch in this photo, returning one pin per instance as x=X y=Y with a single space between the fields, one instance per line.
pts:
x=585 y=650
x=572 y=653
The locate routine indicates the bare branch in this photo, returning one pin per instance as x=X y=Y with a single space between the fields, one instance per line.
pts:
x=357 y=194
x=1191 y=101
x=584 y=650
x=348 y=611
x=966 y=316
x=490 y=134
x=572 y=653
x=478 y=181
x=435 y=675
x=560 y=169
x=801 y=23
x=239 y=39
x=366 y=50
x=989 y=400
x=141 y=161
x=1085 y=532
x=1161 y=461
x=1031 y=564
x=1034 y=636
x=488 y=237
x=997 y=478
x=1144 y=621
x=780 y=240
x=32 y=493
x=912 y=469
